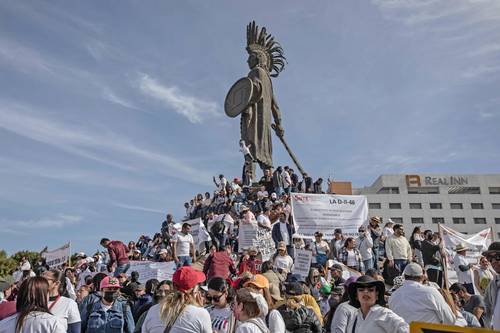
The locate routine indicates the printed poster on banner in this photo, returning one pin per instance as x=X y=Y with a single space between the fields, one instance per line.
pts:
x=58 y=256
x=477 y=243
x=153 y=270
x=250 y=235
x=302 y=262
x=327 y=212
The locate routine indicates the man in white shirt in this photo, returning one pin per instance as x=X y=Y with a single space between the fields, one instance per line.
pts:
x=287 y=180
x=398 y=249
x=182 y=244
x=415 y=302
x=263 y=219
x=463 y=268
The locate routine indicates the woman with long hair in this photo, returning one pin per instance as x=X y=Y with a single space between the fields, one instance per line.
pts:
x=483 y=274
x=32 y=308
x=247 y=311
x=350 y=255
x=64 y=308
x=220 y=297
x=181 y=310
x=416 y=240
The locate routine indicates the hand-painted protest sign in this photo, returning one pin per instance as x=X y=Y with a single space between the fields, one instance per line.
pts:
x=476 y=244
x=250 y=235
x=58 y=256
x=326 y=212
x=302 y=262
x=153 y=270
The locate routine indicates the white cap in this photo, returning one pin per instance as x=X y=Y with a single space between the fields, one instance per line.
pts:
x=413 y=269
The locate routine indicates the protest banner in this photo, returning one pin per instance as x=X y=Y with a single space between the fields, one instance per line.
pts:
x=250 y=235
x=477 y=243
x=153 y=270
x=326 y=212
x=418 y=327
x=302 y=262
x=57 y=257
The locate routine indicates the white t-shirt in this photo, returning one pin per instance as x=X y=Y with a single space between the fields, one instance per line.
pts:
x=495 y=323
x=244 y=149
x=35 y=322
x=276 y=322
x=284 y=262
x=183 y=243
x=220 y=319
x=264 y=220
x=152 y=322
x=255 y=325
x=351 y=258
x=463 y=277
x=284 y=233
x=192 y=320
x=66 y=311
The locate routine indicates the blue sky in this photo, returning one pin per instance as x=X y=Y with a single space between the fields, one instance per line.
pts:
x=111 y=113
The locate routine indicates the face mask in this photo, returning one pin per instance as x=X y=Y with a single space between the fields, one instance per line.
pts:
x=110 y=296
x=253 y=257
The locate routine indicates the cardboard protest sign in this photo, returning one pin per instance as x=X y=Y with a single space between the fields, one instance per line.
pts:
x=198 y=231
x=302 y=262
x=326 y=212
x=58 y=256
x=477 y=243
x=250 y=235
x=153 y=270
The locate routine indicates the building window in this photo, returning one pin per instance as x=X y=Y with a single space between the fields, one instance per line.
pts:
x=374 y=205
x=423 y=190
x=494 y=190
x=497 y=220
x=463 y=190
x=438 y=220
x=498 y=234
x=479 y=220
x=456 y=205
x=459 y=220
x=398 y=220
x=436 y=205
x=417 y=220
x=495 y=206
x=477 y=205
x=394 y=205
x=415 y=205
x=388 y=190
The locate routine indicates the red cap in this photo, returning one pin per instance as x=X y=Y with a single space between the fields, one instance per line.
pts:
x=110 y=282
x=186 y=278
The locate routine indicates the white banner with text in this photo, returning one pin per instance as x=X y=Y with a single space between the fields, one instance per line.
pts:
x=58 y=256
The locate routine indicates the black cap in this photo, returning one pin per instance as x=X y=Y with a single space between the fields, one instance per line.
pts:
x=294 y=289
x=492 y=249
x=338 y=231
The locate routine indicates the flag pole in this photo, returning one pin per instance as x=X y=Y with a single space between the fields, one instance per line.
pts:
x=69 y=257
x=444 y=261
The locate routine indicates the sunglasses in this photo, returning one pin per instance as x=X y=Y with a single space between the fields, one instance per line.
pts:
x=366 y=289
x=495 y=256
x=214 y=298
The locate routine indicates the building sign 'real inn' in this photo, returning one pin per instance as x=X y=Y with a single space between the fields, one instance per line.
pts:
x=416 y=181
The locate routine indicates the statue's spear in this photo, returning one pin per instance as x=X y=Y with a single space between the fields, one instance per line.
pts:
x=292 y=155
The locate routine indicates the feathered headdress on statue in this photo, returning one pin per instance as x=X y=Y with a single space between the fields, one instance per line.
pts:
x=259 y=41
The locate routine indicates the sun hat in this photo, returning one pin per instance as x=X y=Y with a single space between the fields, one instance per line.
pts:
x=461 y=247
x=186 y=278
x=281 y=246
x=80 y=255
x=259 y=281
x=366 y=281
x=377 y=219
x=494 y=248
x=110 y=282
x=413 y=269
x=252 y=249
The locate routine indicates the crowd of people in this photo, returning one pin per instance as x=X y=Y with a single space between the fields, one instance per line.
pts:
x=379 y=281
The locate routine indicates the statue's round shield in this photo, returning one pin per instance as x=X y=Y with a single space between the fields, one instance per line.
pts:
x=238 y=97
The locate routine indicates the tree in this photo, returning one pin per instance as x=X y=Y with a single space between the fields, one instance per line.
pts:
x=7 y=265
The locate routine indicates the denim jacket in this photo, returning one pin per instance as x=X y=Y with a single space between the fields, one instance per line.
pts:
x=118 y=319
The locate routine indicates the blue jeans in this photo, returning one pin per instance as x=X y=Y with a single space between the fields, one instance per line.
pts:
x=368 y=263
x=400 y=264
x=184 y=261
x=375 y=250
x=121 y=269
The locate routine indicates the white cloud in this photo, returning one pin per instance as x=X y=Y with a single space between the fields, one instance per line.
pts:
x=24 y=59
x=139 y=208
x=105 y=147
x=110 y=96
x=58 y=221
x=191 y=107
